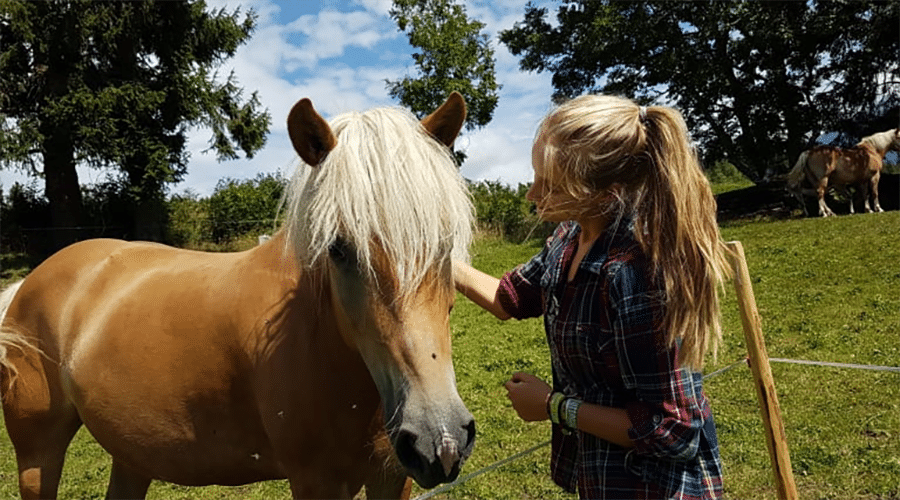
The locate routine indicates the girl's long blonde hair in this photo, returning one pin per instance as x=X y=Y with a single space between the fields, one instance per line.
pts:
x=623 y=159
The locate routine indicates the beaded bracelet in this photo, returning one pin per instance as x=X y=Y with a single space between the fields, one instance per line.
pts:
x=553 y=406
x=569 y=413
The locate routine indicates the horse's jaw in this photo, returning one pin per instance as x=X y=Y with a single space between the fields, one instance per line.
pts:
x=410 y=362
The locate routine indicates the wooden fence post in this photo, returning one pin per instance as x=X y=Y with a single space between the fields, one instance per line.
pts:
x=762 y=375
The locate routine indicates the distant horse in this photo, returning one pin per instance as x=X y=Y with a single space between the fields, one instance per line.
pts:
x=201 y=368
x=827 y=166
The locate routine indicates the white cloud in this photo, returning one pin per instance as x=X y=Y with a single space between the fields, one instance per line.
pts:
x=329 y=33
x=377 y=6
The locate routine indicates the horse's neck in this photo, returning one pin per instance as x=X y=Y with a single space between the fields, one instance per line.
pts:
x=274 y=250
x=879 y=143
x=871 y=148
x=292 y=301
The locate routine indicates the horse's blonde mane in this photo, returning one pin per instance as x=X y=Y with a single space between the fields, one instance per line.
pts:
x=882 y=141
x=386 y=183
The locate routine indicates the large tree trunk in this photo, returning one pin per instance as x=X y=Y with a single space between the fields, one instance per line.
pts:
x=149 y=219
x=149 y=209
x=62 y=189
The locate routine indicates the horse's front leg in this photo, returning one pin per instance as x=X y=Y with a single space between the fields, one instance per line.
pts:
x=874 y=189
x=824 y=211
x=125 y=483
x=311 y=484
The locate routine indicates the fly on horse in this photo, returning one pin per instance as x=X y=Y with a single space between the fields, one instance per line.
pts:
x=859 y=167
x=322 y=356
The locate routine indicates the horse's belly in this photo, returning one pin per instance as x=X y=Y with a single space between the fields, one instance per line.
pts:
x=183 y=443
x=182 y=414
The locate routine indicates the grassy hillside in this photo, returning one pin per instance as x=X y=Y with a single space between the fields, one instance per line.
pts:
x=827 y=289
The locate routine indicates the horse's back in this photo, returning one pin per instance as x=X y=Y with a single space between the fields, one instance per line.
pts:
x=86 y=285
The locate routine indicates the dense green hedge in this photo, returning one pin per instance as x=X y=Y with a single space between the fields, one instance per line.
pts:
x=241 y=208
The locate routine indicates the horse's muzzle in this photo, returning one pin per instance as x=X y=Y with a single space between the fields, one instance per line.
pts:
x=434 y=460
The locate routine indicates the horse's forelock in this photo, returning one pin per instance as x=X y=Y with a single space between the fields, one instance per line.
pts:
x=386 y=181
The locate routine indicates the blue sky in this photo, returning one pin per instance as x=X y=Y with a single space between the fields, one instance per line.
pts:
x=339 y=54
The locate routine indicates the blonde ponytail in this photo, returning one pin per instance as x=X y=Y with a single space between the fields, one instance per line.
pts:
x=675 y=223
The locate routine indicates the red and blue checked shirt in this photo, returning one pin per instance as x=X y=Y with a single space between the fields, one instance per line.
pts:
x=607 y=348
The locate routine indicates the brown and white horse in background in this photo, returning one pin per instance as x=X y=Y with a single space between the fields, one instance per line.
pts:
x=321 y=356
x=828 y=166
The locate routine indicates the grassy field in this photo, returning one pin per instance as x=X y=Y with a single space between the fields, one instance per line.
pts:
x=827 y=290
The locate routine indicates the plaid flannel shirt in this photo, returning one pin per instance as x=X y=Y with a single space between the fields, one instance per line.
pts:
x=607 y=348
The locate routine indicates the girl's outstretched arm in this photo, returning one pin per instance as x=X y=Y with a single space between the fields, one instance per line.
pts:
x=479 y=287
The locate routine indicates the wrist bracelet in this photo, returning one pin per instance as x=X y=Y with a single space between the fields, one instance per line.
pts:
x=570 y=413
x=554 y=402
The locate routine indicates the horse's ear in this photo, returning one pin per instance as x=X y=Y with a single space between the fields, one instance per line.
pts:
x=310 y=133
x=446 y=121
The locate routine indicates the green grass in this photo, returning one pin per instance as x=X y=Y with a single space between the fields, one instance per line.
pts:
x=826 y=289
x=725 y=177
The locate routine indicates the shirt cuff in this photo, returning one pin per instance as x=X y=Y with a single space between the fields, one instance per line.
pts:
x=644 y=424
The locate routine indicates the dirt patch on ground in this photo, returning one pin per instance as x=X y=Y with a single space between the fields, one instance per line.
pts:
x=770 y=200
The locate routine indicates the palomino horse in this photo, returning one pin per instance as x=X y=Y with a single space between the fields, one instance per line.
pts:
x=828 y=166
x=199 y=368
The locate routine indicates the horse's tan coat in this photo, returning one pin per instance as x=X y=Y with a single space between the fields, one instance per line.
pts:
x=217 y=429
x=201 y=368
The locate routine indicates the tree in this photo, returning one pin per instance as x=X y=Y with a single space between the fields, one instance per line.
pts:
x=757 y=81
x=117 y=85
x=454 y=55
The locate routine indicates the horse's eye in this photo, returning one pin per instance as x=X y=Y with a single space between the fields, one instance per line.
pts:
x=339 y=251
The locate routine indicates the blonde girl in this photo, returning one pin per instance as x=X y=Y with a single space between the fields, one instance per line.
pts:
x=627 y=286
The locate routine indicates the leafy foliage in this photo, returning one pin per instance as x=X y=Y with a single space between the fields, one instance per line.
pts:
x=454 y=56
x=22 y=210
x=27 y=225
x=238 y=207
x=757 y=81
x=504 y=211
x=118 y=84
x=189 y=221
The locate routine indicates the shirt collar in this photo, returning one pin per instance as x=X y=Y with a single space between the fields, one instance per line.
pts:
x=619 y=233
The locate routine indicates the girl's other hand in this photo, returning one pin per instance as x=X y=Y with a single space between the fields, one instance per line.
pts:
x=529 y=396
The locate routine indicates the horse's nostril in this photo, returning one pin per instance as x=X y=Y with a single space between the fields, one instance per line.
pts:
x=470 y=434
x=406 y=451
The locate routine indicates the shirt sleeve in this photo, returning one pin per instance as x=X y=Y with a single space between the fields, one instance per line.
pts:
x=666 y=415
x=520 y=289
x=520 y=293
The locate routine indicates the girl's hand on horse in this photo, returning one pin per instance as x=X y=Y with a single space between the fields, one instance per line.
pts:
x=529 y=396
